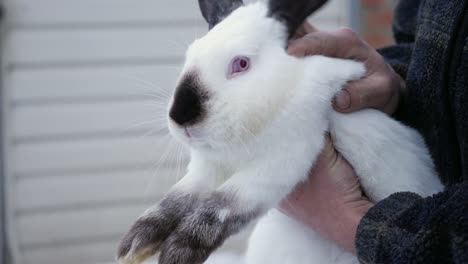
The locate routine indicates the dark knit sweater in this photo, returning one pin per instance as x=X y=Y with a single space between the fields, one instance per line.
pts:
x=432 y=55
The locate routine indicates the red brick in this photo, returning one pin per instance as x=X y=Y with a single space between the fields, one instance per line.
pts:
x=383 y=17
x=372 y=3
x=376 y=21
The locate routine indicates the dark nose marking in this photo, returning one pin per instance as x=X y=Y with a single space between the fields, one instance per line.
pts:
x=188 y=107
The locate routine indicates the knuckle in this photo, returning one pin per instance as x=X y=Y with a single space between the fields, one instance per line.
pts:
x=385 y=82
x=324 y=43
x=346 y=30
x=311 y=41
x=348 y=34
x=300 y=46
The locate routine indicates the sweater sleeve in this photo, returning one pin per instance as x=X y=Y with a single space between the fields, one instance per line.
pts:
x=405 y=228
x=404 y=29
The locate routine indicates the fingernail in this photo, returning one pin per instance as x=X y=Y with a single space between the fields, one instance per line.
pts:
x=342 y=100
x=292 y=50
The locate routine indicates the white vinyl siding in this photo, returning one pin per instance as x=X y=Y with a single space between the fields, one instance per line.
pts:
x=82 y=161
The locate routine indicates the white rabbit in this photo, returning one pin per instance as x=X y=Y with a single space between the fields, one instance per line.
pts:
x=254 y=119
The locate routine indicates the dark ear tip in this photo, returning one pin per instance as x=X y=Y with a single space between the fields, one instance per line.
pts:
x=214 y=11
x=322 y=2
x=293 y=13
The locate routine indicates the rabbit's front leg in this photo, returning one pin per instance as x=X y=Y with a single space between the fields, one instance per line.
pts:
x=243 y=198
x=157 y=223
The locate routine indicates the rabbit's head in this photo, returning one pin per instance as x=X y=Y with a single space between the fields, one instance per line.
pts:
x=238 y=76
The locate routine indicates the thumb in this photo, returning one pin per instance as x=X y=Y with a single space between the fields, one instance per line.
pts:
x=362 y=94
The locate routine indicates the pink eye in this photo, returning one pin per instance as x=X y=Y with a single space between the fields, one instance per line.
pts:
x=238 y=65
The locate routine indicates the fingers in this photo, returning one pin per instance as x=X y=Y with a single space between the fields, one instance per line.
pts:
x=371 y=92
x=381 y=86
x=343 y=43
x=303 y=30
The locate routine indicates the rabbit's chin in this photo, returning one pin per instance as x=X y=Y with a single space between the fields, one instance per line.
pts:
x=189 y=135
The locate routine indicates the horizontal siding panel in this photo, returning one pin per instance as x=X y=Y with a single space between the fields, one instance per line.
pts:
x=101 y=252
x=52 y=229
x=92 y=83
x=38 y=121
x=81 y=46
x=42 y=158
x=94 y=189
x=33 y=12
x=100 y=46
x=91 y=12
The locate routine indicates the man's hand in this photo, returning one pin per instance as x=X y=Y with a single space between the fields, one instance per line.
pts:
x=381 y=87
x=331 y=202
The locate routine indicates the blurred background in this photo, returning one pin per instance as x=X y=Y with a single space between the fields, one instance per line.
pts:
x=82 y=93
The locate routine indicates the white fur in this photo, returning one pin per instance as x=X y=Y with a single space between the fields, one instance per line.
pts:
x=265 y=128
x=225 y=258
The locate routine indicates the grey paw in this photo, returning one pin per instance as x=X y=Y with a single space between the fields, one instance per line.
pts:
x=195 y=239
x=148 y=233
x=203 y=232
x=177 y=250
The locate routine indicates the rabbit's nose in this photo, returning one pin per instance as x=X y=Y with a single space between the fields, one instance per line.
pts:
x=187 y=108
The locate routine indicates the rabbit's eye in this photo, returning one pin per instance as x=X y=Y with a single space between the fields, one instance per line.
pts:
x=238 y=65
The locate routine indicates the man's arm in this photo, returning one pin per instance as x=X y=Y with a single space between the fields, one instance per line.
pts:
x=404 y=29
x=406 y=228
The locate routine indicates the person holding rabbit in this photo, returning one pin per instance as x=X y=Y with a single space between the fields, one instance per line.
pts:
x=255 y=117
x=422 y=81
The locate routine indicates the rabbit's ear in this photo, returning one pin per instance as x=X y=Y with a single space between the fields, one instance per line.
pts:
x=216 y=10
x=293 y=13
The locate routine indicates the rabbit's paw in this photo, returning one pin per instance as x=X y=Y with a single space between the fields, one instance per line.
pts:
x=154 y=227
x=204 y=231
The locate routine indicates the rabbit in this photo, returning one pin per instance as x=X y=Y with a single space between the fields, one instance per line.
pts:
x=254 y=119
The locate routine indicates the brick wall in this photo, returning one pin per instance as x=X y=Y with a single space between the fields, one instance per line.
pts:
x=376 y=19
